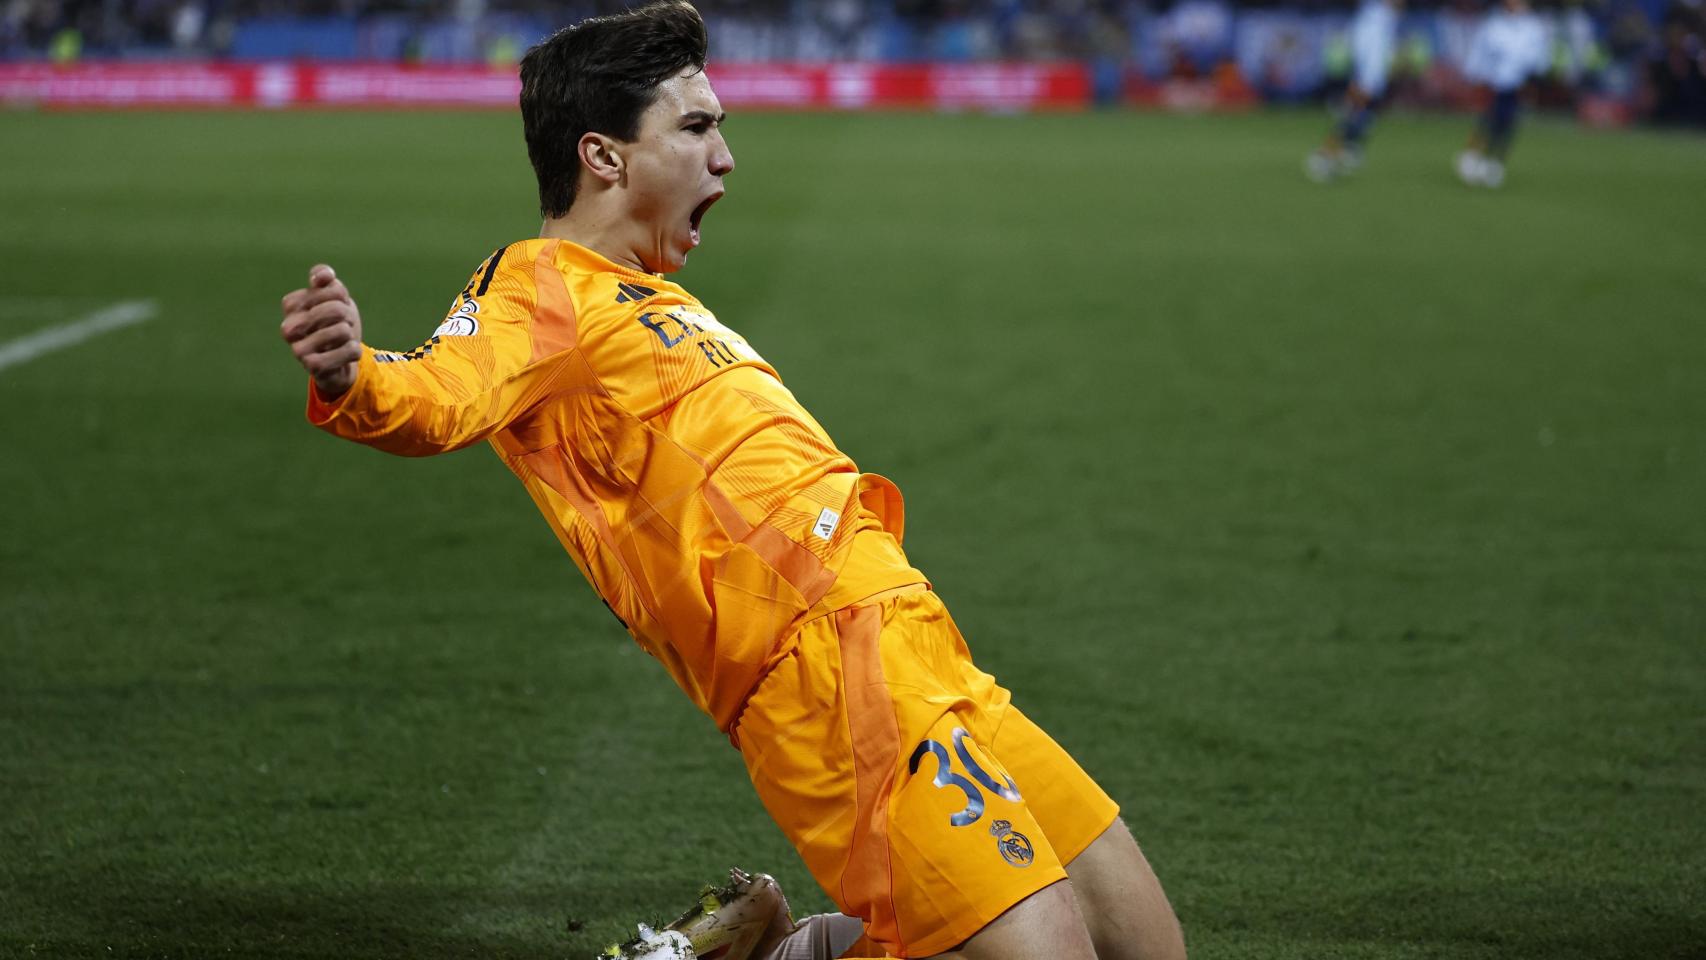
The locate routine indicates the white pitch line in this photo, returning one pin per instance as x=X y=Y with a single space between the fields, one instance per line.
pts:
x=27 y=348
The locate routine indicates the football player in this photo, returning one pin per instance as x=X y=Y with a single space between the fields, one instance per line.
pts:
x=729 y=534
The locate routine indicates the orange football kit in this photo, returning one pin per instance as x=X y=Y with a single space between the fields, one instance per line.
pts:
x=740 y=548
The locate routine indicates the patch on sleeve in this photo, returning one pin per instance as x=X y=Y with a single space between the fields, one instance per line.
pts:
x=462 y=321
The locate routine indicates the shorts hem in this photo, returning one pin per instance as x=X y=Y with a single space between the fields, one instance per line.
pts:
x=954 y=934
x=1067 y=858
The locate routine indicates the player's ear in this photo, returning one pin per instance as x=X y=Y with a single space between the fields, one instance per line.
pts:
x=600 y=155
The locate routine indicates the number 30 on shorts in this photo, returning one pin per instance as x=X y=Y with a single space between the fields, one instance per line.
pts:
x=946 y=777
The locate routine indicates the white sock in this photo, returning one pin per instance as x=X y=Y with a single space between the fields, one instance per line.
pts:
x=819 y=937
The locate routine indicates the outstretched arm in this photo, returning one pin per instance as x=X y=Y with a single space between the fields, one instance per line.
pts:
x=477 y=373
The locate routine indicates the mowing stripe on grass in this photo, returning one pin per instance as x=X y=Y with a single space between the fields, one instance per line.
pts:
x=105 y=320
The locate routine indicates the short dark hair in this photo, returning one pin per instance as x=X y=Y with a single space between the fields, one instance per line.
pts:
x=600 y=75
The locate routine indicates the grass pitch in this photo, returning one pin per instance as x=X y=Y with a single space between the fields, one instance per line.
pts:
x=1355 y=538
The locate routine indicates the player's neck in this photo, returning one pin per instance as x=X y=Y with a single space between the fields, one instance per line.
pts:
x=611 y=237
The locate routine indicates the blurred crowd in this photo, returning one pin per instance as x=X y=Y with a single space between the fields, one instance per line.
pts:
x=1650 y=54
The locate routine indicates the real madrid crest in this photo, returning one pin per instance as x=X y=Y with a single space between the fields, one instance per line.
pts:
x=1015 y=847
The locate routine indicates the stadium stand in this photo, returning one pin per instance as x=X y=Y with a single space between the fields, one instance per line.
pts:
x=1613 y=59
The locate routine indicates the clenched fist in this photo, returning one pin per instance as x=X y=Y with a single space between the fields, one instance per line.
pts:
x=323 y=328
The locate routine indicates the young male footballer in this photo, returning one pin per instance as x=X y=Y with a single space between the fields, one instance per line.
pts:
x=727 y=532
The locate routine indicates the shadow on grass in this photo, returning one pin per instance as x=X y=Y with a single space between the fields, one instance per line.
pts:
x=420 y=922
x=424 y=921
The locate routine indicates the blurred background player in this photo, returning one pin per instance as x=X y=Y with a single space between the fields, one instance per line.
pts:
x=1510 y=46
x=1374 y=42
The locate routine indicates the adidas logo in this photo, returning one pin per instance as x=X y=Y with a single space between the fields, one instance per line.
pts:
x=633 y=293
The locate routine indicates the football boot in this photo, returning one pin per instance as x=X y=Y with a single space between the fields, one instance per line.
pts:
x=743 y=920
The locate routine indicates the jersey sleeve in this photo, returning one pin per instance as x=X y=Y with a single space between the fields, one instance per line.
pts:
x=477 y=373
x=1476 y=65
x=1540 y=48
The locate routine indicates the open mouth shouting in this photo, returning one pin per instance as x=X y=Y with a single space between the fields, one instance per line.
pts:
x=698 y=215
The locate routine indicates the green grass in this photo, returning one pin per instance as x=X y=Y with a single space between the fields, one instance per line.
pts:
x=1355 y=538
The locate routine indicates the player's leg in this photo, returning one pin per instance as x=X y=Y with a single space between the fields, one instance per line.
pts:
x=1472 y=162
x=1501 y=124
x=1121 y=899
x=1323 y=164
x=749 y=919
x=1341 y=153
x=1119 y=896
x=1501 y=128
x=1112 y=907
x=823 y=936
x=1353 y=132
x=1045 y=924
x=1353 y=128
x=1484 y=120
x=858 y=745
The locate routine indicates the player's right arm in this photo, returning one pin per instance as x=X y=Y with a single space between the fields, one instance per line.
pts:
x=451 y=392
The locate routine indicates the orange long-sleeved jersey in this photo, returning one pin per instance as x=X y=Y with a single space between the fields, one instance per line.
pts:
x=705 y=505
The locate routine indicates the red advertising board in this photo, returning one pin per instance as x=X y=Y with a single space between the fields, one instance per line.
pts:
x=858 y=86
x=125 y=85
x=996 y=87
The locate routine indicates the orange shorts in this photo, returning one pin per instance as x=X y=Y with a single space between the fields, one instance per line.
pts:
x=921 y=800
